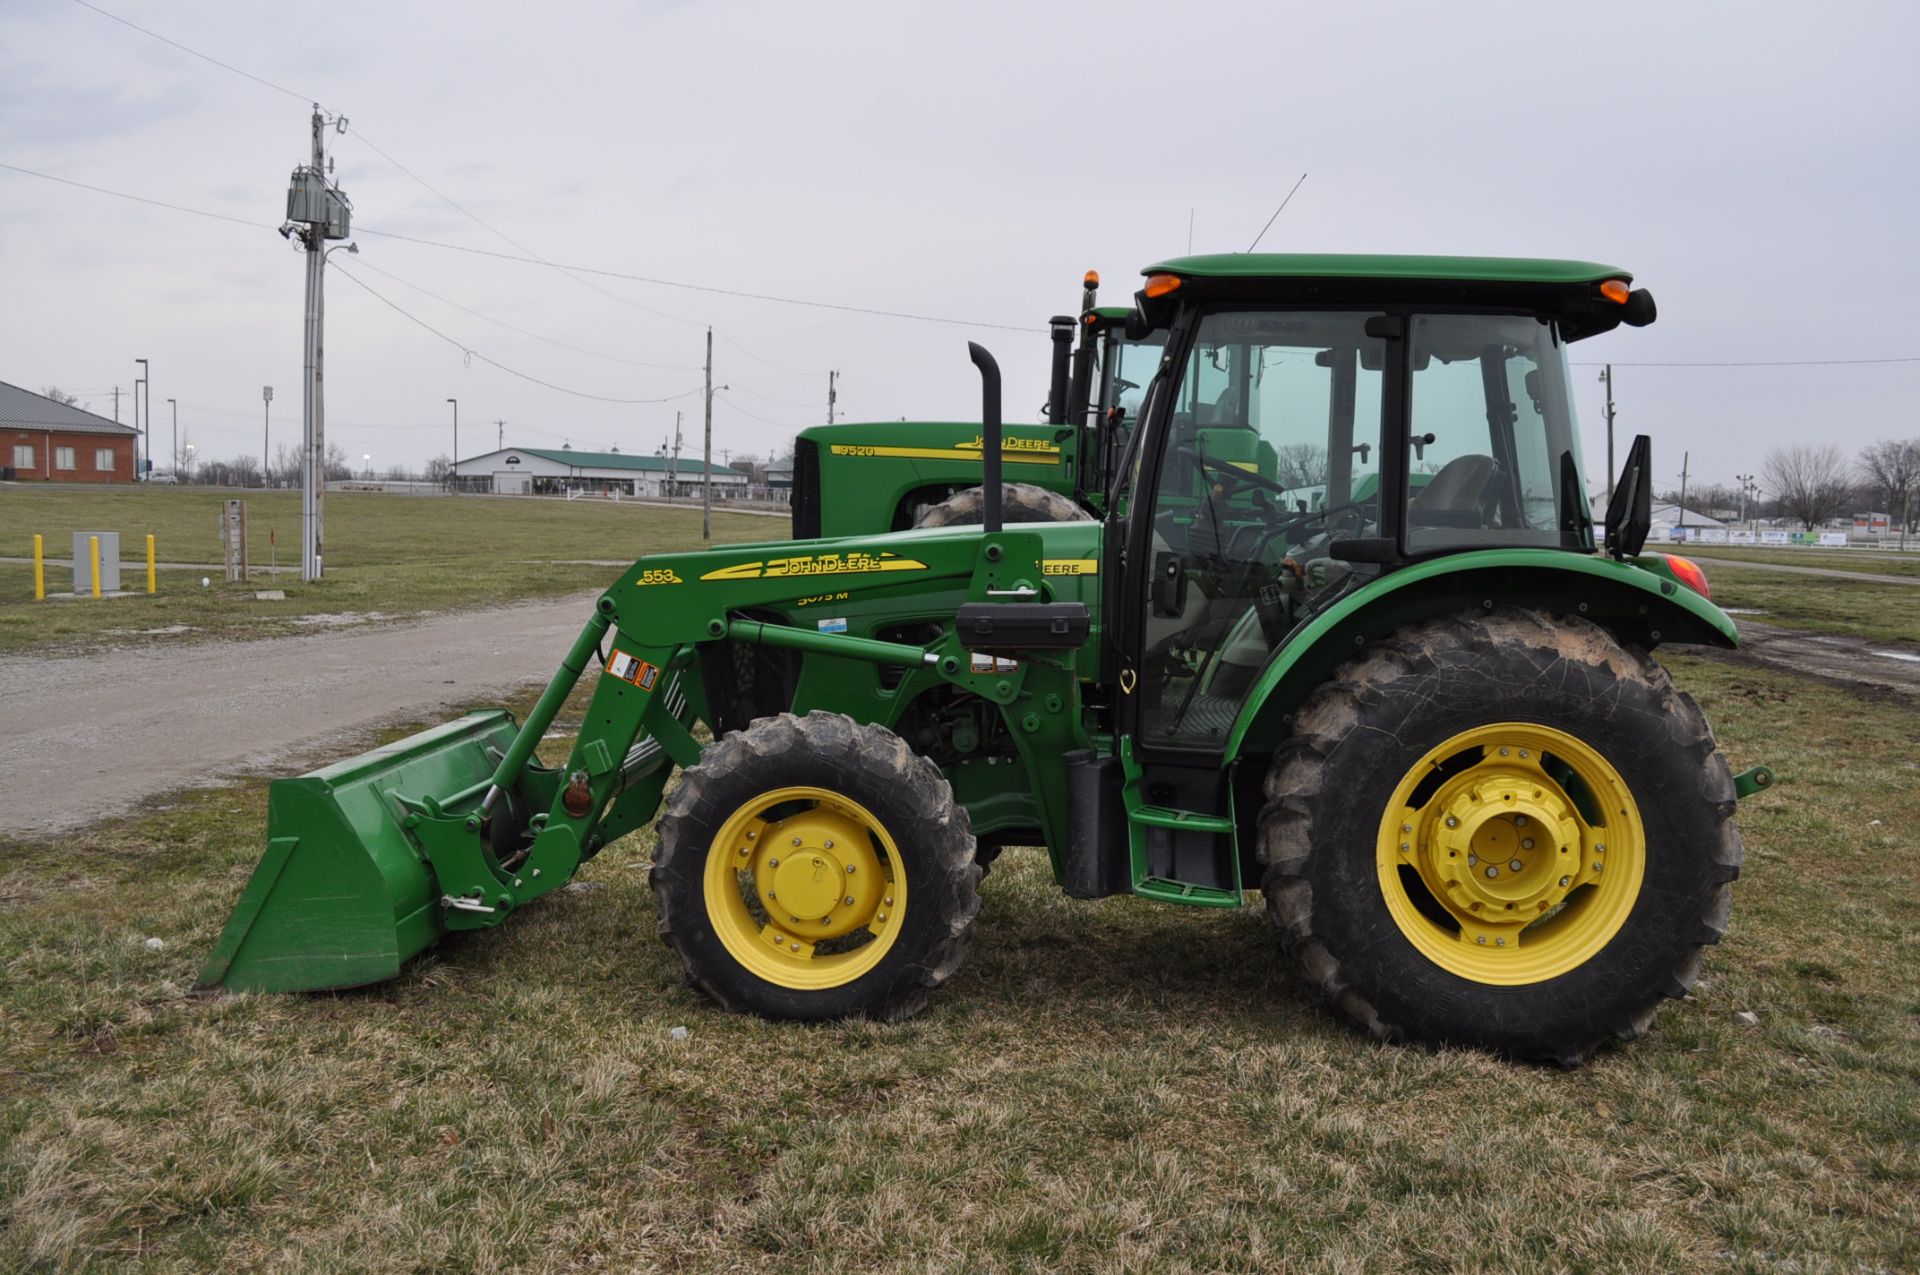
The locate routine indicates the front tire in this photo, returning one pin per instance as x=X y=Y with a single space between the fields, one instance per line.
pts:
x=1502 y=831
x=861 y=835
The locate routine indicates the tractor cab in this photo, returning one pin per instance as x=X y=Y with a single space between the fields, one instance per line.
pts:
x=1297 y=446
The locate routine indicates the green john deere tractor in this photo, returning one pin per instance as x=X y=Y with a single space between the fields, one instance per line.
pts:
x=859 y=478
x=1343 y=636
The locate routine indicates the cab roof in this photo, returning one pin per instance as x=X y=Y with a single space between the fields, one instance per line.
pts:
x=1287 y=265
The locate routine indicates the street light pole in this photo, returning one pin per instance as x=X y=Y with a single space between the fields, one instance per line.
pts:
x=146 y=442
x=175 y=405
x=1607 y=377
x=453 y=475
x=266 y=434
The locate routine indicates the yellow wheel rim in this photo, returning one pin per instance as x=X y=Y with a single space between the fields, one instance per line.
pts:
x=805 y=888
x=1511 y=854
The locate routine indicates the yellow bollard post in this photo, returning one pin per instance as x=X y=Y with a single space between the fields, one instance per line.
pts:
x=93 y=551
x=39 y=570
x=150 y=588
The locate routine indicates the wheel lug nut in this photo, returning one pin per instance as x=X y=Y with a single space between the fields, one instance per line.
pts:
x=793 y=947
x=1503 y=752
x=1406 y=827
x=1526 y=843
x=1515 y=866
x=849 y=900
x=1564 y=881
x=1499 y=942
x=752 y=835
x=849 y=869
x=1520 y=821
x=1483 y=940
x=773 y=863
x=1452 y=822
x=1600 y=847
x=1492 y=872
x=829 y=843
x=796 y=841
x=1472 y=859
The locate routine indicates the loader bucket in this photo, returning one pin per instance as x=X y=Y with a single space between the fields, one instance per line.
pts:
x=344 y=896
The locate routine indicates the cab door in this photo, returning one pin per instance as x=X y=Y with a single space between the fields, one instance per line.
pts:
x=1263 y=448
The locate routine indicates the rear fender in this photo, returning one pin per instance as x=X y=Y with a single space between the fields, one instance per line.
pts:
x=1637 y=606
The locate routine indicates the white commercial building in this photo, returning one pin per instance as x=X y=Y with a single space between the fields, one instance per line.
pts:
x=541 y=471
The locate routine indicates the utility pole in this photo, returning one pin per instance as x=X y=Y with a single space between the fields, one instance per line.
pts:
x=500 y=434
x=1607 y=377
x=1685 y=459
x=453 y=475
x=1746 y=483
x=175 y=405
x=317 y=211
x=706 y=478
x=116 y=405
x=266 y=434
x=673 y=465
x=832 y=378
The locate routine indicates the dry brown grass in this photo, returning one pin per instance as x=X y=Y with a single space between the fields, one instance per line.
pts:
x=1105 y=1086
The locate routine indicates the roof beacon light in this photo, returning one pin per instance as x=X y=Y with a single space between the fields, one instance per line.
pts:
x=1093 y=279
x=1615 y=290
x=1161 y=285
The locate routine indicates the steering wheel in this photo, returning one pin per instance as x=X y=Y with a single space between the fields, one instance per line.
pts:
x=1230 y=471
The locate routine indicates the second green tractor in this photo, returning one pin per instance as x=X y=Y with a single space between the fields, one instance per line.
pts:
x=1337 y=628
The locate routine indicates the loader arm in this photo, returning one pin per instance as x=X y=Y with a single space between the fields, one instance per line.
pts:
x=372 y=861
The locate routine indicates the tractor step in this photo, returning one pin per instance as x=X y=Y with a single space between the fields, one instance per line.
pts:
x=1187 y=820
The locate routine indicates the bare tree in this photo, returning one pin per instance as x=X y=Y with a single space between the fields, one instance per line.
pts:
x=439 y=469
x=286 y=465
x=243 y=470
x=1892 y=470
x=59 y=396
x=338 y=467
x=1810 y=483
x=1300 y=465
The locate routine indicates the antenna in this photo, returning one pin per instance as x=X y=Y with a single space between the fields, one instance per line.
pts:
x=1276 y=214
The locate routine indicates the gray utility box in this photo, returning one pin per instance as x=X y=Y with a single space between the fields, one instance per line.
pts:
x=83 y=561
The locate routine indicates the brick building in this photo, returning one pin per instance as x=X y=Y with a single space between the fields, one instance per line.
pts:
x=45 y=441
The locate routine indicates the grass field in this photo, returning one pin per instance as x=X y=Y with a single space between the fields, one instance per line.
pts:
x=385 y=554
x=1823 y=604
x=1115 y=1085
x=1864 y=562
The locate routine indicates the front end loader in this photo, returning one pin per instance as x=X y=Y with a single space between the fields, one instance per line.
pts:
x=1344 y=637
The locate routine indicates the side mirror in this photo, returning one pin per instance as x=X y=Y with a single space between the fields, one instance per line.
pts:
x=1630 y=512
x=1640 y=309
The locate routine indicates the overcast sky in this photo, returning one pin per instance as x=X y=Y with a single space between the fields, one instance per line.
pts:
x=1754 y=165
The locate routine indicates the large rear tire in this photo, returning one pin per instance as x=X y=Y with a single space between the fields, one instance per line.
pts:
x=863 y=839
x=1503 y=831
x=1019 y=502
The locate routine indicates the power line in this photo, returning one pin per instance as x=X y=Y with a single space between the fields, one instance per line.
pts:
x=138 y=199
x=763 y=420
x=246 y=75
x=762 y=358
x=471 y=353
x=502 y=323
x=700 y=287
x=1907 y=358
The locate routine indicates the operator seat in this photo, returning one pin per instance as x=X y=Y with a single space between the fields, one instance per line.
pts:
x=1459 y=485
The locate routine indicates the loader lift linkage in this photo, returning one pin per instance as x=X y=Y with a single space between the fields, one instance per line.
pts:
x=1341 y=636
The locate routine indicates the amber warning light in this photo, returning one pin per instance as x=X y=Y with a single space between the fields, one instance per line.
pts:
x=1160 y=285
x=1688 y=572
x=1615 y=290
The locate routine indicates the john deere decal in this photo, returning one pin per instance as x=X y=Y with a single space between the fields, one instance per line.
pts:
x=817 y=564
